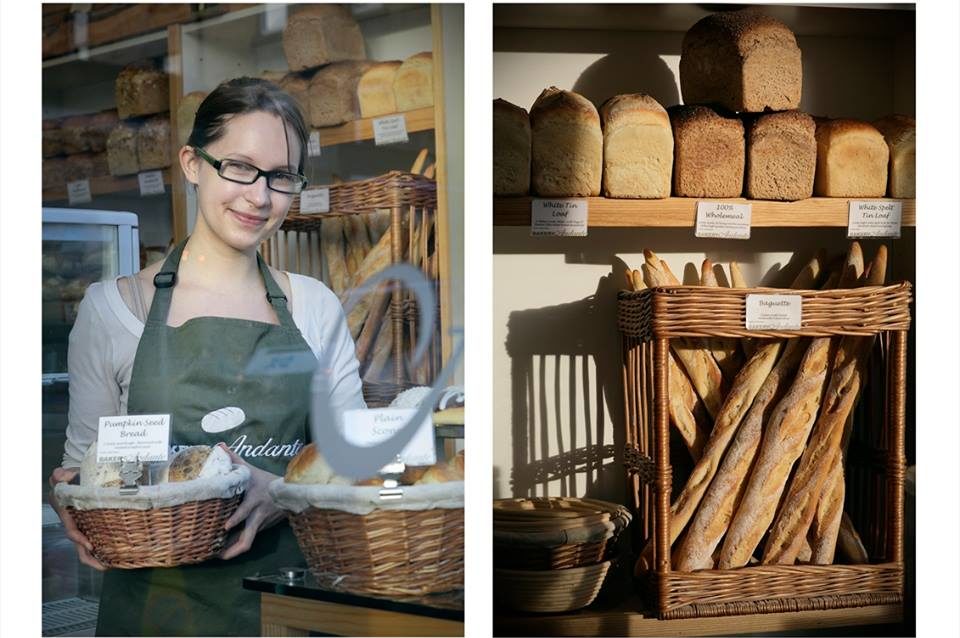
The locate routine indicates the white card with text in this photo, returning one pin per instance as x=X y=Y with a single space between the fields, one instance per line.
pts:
x=723 y=220
x=369 y=427
x=390 y=130
x=78 y=192
x=313 y=144
x=315 y=200
x=151 y=182
x=559 y=217
x=874 y=219
x=774 y=312
x=142 y=437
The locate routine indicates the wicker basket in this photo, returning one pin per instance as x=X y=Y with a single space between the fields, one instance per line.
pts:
x=549 y=591
x=648 y=320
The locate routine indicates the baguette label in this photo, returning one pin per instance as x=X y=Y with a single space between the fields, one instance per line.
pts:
x=135 y=437
x=773 y=312
x=78 y=192
x=723 y=220
x=558 y=218
x=369 y=427
x=313 y=144
x=315 y=200
x=390 y=130
x=151 y=183
x=874 y=219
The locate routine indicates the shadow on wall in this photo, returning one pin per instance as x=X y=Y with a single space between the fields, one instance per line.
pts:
x=628 y=71
x=565 y=377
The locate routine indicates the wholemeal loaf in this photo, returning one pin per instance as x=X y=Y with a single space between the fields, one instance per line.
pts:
x=781 y=156
x=637 y=147
x=122 y=149
x=153 y=143
x=52 y=143
x=73 y=134
x=298 y=86
x=413 y=84
x=54 y=172
x=197 y=462
x=708 y=151
x=141 y=90
x=187 y=113
x=333 y=93
x=86 y=166
x=320 y=34
x=375 y=89
x=511 y=149
x=852 y=159
x=567 y=145
x=900 y=132
x=98 y=130
x=742 y=60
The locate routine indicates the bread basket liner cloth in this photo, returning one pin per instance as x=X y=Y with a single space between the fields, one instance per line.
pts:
x=362 y=500
x=585 y=534
x=154 y=496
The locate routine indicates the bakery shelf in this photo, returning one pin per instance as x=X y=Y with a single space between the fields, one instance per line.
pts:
x=102 y=186
x=680 y=212
x=358 y=130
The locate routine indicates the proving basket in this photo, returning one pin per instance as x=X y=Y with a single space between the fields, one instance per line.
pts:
x=356 y=542
x=162 y=525
x=549 y=591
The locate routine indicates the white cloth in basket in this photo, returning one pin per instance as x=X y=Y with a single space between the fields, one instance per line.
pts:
x=364 y=499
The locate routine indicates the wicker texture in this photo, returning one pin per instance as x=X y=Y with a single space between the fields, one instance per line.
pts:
x=385 y=552
x=161 y=537
x=549 y=591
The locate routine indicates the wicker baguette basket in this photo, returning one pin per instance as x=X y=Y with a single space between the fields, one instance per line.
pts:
x=356 y=542
x=162 y=525
x=647 y=320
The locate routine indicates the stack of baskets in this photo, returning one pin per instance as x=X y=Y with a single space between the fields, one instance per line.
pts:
x=552 y=554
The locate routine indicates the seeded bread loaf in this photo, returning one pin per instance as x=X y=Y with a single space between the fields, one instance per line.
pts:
x=742 y=60
x=54 y=172
x=375 y=89
x=900 y=132
x=781 y=156
x=122 y=149
x=141 y=90
x=567 y=145
x=708 y=151
x=73 y=134
x=320 y=34
x=86 y=166
x=52 y=142
x=637 y=147
x=186 y=113
x=511 y=149
x=153 y=143
x=413 y=84
x=333 y=93
x=852 y=158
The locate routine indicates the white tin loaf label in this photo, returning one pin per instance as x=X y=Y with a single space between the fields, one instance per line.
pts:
x=723 y=220
x=390 y=130
x=874 y=219
x=315 y=200
x=773 y=312
x=558 y=218
x=151 y=183
x=370 y=427
x=140 y=437
x=78 y=192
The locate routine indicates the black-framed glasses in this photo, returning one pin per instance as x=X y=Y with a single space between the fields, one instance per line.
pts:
x=242 y=173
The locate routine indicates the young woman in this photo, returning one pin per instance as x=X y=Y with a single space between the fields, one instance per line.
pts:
x=177 y=339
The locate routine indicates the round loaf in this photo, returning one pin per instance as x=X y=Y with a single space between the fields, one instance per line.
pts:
x=101 y=474
x=567 y=145
x=198 y=461
x=309 y=467
x=320 y=34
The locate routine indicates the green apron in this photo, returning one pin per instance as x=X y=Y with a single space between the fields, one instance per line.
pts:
x=188 y=372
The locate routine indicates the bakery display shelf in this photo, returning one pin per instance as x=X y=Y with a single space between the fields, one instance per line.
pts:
x=103 y=186
x=681 y=212
x=359 y=130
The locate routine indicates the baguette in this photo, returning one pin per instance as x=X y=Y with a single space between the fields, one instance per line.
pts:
x=850 y=544
x=725 y=351
x=822 y=537
x=331 y=231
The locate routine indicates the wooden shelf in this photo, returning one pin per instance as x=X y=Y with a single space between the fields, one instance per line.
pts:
x=103 y=186
x=358 y=130
x=681 y=212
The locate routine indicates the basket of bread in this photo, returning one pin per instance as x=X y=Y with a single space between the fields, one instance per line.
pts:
x=174 y=516
x=357 y=541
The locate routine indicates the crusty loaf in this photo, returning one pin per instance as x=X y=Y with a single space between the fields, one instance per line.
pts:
x=511 y=149
x=86 y=166
x=900 y=132
x=73 y=136
x=333 y=93
x=122 y=149
x=637 y=147
x=141 y=90
x=726 y=351
x=98 y=130
x=298 y=86
x=187 y=113
x=825 y=527
x=52 y=138
x=198 y=461
x=708 y=150
x=320 y=34
x=852 y=159
x=567 y=145
x=153 y=143
x=309 y=467
x=54 y=172
x=413 y=83
x=850 y=544
x=781 y=156
x=375 y=89
x=742 y=60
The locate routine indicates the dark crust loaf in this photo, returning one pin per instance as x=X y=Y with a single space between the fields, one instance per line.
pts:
x=500 y=104
x=709 y=152
x=742 y=28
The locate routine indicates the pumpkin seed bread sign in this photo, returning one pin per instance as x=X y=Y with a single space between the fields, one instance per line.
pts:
x=143 y=437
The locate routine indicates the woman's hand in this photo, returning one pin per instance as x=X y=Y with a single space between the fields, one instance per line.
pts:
x=256 y=510
x=84 y=547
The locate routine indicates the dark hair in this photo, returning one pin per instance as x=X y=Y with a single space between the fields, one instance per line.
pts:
x=247 y=95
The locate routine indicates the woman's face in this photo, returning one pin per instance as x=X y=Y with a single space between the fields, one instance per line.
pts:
x=243 y=215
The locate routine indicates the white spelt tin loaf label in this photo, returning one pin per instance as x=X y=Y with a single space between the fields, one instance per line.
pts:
x=874 y=219
x=773 y=312
x=558 y=218
x=390 y=130
x=723 y=220
x=78 y=192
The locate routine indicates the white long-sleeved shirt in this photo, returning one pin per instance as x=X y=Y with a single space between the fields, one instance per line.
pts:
x=105 y=336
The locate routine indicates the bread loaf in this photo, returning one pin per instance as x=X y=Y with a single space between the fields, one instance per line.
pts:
x=637 y=147
x=153 y=143
x=141 y=90
x=54 y=172
x=320 y=34
x=742 y=60
x=122 y=149
x=825 y=526
x=86 y=166
x=73 y=134
x=298 y=86
x=567 y=145
x=375 y=89
x=852 y=159
x=900 y=132
x=309 y=467
x=333 y=93
x=511 y=149
x=197 y=462
x=101 y=474
x=708 y=150
x=187 y=113
x=98 y=130
x=850 y=544
x=413 y=84
x=781 y=156
x=726 y=351
x=52 y=142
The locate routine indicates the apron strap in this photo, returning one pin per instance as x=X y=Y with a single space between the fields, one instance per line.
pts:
x=275 y=295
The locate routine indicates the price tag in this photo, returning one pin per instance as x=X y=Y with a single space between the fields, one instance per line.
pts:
x=874 y=219
x=315 y=200
x=390 y=130
x=313 y=144
x=558 y=217
x=773 y=312
x=722 y=220
x=78 y=192
x=143 y=437
x=151 y=183
x=369 y=427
